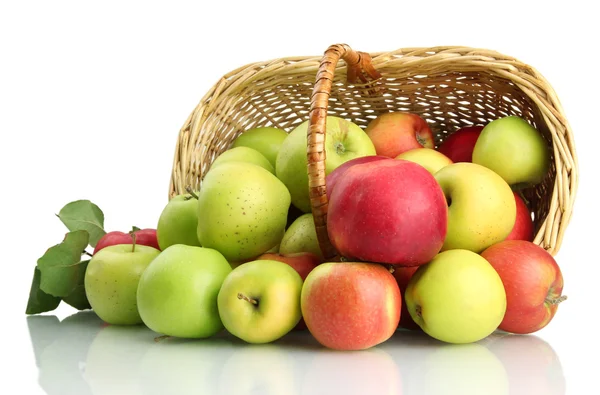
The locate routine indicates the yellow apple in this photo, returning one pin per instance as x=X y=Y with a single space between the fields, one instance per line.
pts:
x=481 y=206
x=429 y=158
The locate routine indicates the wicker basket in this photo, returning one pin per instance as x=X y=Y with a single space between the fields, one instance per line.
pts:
x=450 y=87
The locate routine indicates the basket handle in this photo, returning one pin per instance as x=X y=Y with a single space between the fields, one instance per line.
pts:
x=358 y=63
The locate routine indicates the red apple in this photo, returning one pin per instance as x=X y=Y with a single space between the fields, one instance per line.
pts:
x=302 y=262
x=333 y=177
x=351 y=305
x=523 y=228
x=145 y=237
x=533 y=283
x=403 y=276
x=459 y=145
x=396 y=132
x=391 y=212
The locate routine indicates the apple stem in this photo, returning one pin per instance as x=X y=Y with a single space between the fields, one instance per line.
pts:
x=160 y=338
x=558 y=300
x=247 y=299
x=133 y=244
x=391 y=268
x=191 y=192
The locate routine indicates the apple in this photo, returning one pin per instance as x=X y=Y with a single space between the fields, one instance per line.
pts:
x=533 y=282
x=459 y=145
x=457 y=297
x=523 y=228
x=243 y=210
x=429 y=158
x=351 y=305
x=403 y=276
x=388 y=211
x=301 y=236
x=396 y=132
x=111 y=281
x=177 y=293
x=178 y=222
x=147 y=237
x=302 y=262
x=333 y=177
x=344 y=141
x=259 y=301
x=515 y=150
x=245 y=155
x=481 y=206
x=266 y=140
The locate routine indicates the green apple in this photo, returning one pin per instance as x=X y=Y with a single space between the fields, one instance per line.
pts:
x=111 y=281
x=243 y=209
x=301 y=236
x=429 y=158
x=178 y=222
x=243 y=154
x=458 y=297
x=266 y=140
x=515 y=150
x=259 y=301
x=481 y=206
x=177 y=294
x=344 y=141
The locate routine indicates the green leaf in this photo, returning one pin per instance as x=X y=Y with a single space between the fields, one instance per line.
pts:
x=84 y=215
x=60 y=265
x=39 y=301
x=77 y=298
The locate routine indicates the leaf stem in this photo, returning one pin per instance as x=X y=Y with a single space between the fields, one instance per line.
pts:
x=87 y=253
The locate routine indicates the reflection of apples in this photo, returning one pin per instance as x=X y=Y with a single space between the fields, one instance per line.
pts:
x=184 y=366
x=266 y=140
x=351 y=305
x=533 y=283
x=396 y=132
x=403 y=276
x=244 y=210
x=332 y=178
x=481 y=206
x=429 y=158
x=459 y=145
x=523 y=228
x=301 y=236
x=245 y=155
x=354 y=372
x=345 y=141
x=177 y=294
x=532 y=365
x=388 y=211
x=457 y=297
x=263 y=369
x=514 y=149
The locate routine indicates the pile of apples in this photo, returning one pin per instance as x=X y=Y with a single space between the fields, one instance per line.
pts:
x=437 y=239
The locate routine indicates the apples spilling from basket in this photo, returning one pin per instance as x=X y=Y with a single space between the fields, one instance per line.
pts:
x=437 y=239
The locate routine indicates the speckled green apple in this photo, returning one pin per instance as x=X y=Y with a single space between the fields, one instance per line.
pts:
x=111 y=281
x=301 y=236
x=243 y=209
x=458 y=297
x=178 y=222
x=243 y=154
x=266 y=140
x=177 y=293
x=259 y=301
x=481 y=206
x=345 y=141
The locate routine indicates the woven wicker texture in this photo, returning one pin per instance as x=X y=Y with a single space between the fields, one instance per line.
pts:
x=450 y=87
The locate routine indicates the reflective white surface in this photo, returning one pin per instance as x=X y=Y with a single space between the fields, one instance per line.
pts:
x=80 y=355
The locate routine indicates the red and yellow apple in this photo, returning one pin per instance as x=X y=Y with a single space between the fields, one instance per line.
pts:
x=403 y=276
x=533 y=282
x=396 y=132
x=429 y=158
x=333 y=177
x=351 y=305
x=390 y=212
x=459 y=145
x=523 y=229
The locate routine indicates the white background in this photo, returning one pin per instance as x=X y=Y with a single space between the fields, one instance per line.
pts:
x=92 y=96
